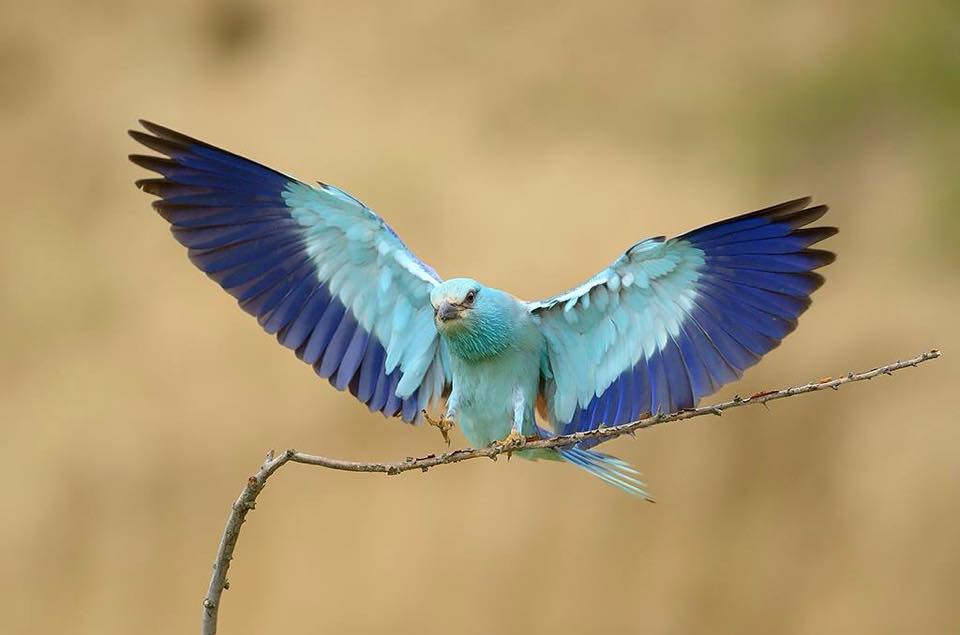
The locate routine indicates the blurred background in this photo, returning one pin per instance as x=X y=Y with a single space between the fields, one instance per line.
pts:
x=135 y=398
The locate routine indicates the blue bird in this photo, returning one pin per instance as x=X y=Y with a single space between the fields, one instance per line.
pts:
x=668 y=322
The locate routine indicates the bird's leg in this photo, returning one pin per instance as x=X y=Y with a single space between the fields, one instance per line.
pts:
x=515 y=439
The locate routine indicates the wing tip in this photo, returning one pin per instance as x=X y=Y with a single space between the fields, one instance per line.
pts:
x=822 y=257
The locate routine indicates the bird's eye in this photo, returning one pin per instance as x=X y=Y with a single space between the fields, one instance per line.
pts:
x=470 y=297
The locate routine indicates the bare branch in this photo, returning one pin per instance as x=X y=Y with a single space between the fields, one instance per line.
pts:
x=255 y=484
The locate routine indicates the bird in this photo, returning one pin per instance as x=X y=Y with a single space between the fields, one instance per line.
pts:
x=668 y=322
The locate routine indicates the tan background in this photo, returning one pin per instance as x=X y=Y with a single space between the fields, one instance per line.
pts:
x=526 y=146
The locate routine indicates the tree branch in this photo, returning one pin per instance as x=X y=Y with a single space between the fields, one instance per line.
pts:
x=255 y=484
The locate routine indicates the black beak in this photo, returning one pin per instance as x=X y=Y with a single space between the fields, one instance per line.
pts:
x=447 y=311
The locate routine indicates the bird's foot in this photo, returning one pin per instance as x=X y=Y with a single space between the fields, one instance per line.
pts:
x=443 y=424
x=510 y=442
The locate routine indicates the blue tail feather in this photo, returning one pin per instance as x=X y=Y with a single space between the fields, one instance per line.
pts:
x=607 y=468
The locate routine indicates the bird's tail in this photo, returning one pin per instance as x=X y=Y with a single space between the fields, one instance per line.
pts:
x=610 y=469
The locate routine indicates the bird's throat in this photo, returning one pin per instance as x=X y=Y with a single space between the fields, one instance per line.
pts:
x=478 y=339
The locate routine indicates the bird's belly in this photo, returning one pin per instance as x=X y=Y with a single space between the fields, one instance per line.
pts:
x=488 y=396
x=483 y=426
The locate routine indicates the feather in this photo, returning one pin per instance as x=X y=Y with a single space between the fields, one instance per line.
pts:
x=312 y=264
x=686 y=316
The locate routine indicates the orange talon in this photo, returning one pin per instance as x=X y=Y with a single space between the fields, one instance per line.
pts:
x=443 y=424
x=511 y=442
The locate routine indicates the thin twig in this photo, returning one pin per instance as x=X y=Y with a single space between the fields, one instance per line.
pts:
x=255 y=484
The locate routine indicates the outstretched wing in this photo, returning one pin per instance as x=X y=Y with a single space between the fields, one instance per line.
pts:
x=315 y=266
x=675 y=319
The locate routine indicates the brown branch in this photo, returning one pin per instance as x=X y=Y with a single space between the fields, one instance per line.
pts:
x=255 y=484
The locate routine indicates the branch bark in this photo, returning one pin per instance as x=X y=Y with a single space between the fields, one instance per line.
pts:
x=255 y=484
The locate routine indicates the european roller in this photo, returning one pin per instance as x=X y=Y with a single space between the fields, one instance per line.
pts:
x=669 y=321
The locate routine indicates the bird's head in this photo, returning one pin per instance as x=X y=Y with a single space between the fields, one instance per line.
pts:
x=456 y=304
x=476 y=321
